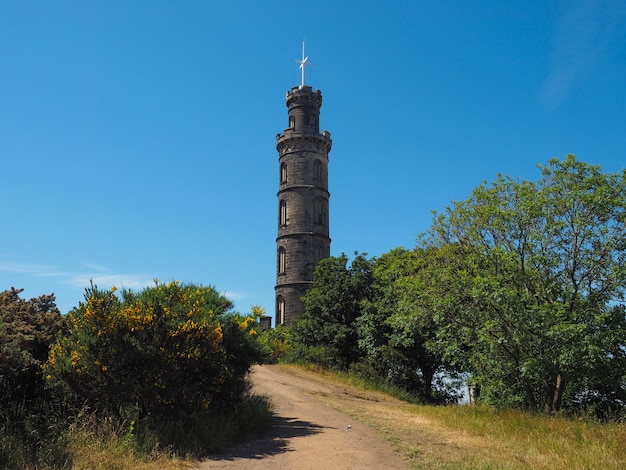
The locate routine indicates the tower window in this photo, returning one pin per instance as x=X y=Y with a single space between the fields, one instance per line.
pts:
x=282 y=254
x=319 y=211
x=280 y=310
x=317 y=170
x=283 y=172
x=292 y=122
x=312 y=120
x=282 y=216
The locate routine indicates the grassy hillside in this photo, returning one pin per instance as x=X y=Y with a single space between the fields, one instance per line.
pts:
x=474 y=437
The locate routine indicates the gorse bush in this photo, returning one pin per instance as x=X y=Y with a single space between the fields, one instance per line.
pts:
x=166 y=350
x=125 y=377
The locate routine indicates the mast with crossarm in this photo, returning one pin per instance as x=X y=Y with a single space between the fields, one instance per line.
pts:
x=303 y=64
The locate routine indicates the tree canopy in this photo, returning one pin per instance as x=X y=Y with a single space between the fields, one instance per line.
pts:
x=521 y=286
x=531 y=297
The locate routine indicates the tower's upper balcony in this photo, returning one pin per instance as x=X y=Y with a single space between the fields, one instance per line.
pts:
x=294 y=141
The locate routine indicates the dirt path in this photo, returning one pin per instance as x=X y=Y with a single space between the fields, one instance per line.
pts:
x=307 y=434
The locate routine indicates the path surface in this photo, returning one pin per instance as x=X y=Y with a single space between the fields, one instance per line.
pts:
x=306 y=433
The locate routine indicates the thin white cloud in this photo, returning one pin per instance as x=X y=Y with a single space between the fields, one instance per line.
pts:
x=127 y=281
x=585 y=33
x=234 y=296
x=97 y=274
x=38 y=270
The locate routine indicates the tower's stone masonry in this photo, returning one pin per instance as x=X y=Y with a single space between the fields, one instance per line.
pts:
x=303 y=210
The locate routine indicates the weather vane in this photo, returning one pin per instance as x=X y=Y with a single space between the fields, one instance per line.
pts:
x=303 y=63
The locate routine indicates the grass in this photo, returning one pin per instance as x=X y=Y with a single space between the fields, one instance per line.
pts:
x=94 y=443
x=478 y=437
x=428 y=437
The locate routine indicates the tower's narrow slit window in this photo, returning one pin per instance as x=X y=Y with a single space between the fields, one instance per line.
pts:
x=280 y=310
x=282 y=212
x=317 y=170
x=283 y=173
x=319 y=211
x=282 y=255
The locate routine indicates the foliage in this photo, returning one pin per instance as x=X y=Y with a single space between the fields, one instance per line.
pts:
x=165 y=351
x=396 y=326
x=276 y=344
x=131 y=379
x=326 y=333
x=522 y=286
x=27 y=329
x=528 y=287
x=29 y=416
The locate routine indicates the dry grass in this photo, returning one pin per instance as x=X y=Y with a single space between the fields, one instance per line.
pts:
x=107 y=450
x=105 y=444
x=103 y=456
x=470 y=437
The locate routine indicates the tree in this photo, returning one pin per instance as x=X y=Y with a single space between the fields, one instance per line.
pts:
x=532 y=300
x=27 y=330
x=332 y=306
x=397 y=325
x=29 y=414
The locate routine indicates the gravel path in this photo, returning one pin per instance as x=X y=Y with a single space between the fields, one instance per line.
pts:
x=306 y=433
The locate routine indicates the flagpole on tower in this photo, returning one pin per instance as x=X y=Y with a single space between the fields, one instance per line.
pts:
x=303 y=63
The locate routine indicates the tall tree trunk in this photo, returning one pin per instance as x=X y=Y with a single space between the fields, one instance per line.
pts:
x=531 y=403
x=554 y=393
x=427 y=382
x=561 y=382
x=548 y=393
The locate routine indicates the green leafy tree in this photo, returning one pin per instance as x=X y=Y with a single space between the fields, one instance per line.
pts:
x=531 y=296
x=166 y=350
x=397 y=326
x=327 y=330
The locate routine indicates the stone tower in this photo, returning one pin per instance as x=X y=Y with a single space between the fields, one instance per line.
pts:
x=303 y=228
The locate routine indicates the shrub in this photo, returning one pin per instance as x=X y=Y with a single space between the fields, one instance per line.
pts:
x=276 y=344
x=168 y=350
x=29 y=415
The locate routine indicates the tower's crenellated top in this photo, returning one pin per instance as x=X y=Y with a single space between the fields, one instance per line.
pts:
x=303 y=96
x=303 y=104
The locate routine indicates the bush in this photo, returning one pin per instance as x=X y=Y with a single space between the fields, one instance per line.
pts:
x=27 y=329
x=168 y=350
x=29 y=416
x=276 y=344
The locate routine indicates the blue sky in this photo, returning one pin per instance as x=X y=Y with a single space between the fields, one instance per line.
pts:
x=137 y=139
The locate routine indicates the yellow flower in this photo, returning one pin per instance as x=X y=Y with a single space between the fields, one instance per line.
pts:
x=75 y=356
